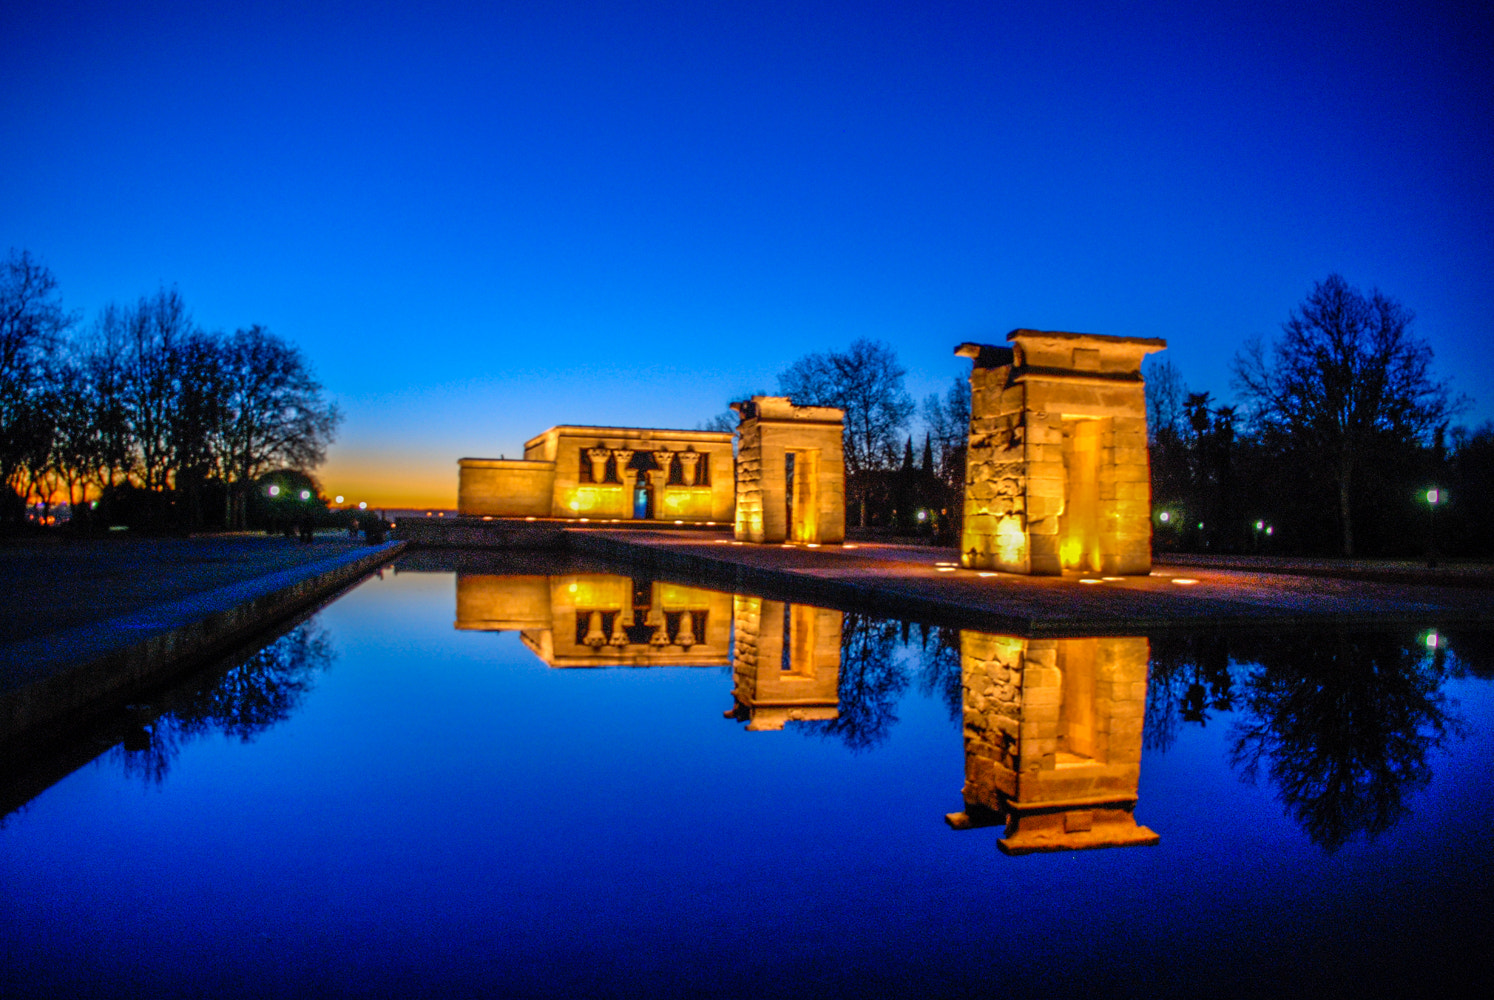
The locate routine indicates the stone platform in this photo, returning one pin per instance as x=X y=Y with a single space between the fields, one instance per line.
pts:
x=924 y=583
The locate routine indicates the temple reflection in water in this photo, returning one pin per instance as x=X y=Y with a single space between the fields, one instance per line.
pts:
x=1053 y=740
x=786 y=663
x=1053 y=727
x=601 y=619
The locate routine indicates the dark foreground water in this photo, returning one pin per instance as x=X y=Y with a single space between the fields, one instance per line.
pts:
x=382 y=804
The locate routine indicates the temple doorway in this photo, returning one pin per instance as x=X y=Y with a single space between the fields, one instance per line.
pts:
x=643 y=500
x=1079 y=523
x=801 y=473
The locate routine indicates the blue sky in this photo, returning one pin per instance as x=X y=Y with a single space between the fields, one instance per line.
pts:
x=478 y=225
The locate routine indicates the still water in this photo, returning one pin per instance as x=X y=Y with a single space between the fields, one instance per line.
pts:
x=433 y=787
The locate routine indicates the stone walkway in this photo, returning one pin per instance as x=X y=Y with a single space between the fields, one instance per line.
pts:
x=85 y=624
x=54 y=584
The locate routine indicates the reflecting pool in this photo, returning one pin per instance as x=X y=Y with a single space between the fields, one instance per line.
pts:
x=519 y=777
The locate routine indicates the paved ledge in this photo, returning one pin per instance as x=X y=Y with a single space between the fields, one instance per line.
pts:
x=909 y=582
x=72 y=673
x=1445 y=574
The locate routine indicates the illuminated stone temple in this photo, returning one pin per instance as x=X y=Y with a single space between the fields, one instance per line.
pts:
x=600 y=619
x=1057 y=474
x=791 y=477
x=622 y=473
x=1053 y=740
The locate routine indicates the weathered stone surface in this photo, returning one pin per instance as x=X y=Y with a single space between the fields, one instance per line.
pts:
x=1058 y=421
x=773 y=431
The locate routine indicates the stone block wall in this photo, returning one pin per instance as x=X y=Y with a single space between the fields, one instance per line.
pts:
x=1057 y=474
x=772 y=428
x=504 y=487
x=576 y=491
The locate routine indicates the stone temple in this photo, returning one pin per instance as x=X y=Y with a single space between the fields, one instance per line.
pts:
x=1056 y=480
x=1057 y=476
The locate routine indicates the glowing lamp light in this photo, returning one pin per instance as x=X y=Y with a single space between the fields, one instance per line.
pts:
x=274 y=491
x=339 y=498
x=1269 y=529
x=1088 y=580
x=575 y=505
x=363 y=505
x=1434 y=496
x=1433 y=640
x=1165 y=516
x=1185 y=581
x=1260 y=525
x=923 y=515
x=305 y=494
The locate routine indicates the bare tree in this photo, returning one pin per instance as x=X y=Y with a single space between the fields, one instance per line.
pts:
x=32 y=322
x=866 y=382
x=104 y=357
x=1346 y=381
x=274 y=413
x=156 y=329
x=1164 y=400
x=948 y=421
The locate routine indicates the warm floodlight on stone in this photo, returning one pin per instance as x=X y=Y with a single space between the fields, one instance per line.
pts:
x=617 y=473
x=1057 y=476
x=791 y=479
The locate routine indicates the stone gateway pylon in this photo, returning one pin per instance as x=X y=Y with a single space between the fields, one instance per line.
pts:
x=791 y=478
x=1057 y=476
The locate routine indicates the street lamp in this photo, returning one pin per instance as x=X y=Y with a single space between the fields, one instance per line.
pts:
x=1434 y=497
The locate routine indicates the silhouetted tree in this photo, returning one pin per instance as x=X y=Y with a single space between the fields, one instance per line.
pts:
x=1345 y=386
x=948 y=422
x=274 y=413
x=32 y=322
x=866 y=382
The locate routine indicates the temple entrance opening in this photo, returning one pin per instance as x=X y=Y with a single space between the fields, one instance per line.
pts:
x=643 y=501
x=1079 y=524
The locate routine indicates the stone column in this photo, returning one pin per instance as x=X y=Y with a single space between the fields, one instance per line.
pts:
x=689 y=461
x=598 y=458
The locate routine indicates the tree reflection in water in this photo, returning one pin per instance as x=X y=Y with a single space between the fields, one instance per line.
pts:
x=871 y=681
x=243 y=701
x=1190 y=678
x=939 y=674
x=1343 y=728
